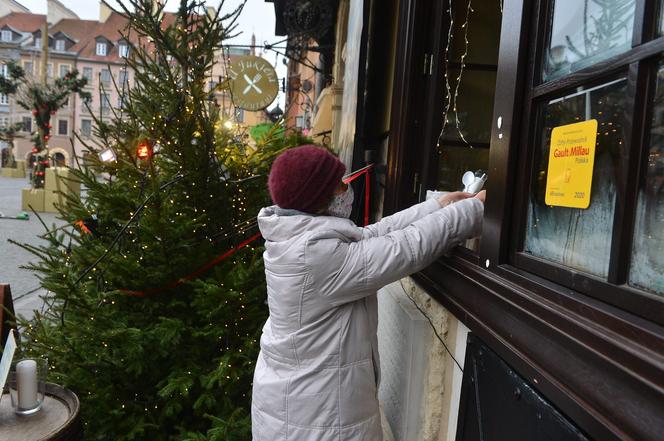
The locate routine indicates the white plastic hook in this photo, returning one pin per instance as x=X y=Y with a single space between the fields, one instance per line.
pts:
x=473 y=183
x=468 y=178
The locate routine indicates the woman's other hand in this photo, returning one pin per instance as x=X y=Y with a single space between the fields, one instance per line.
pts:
x=454 y=196
x=481 y=195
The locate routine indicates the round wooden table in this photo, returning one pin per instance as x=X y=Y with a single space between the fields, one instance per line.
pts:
x=57 y=420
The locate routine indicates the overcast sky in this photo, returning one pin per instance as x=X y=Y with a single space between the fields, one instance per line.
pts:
x=257 y=17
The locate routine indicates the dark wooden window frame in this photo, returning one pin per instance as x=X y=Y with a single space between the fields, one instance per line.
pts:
x=598 y=355
x=637 y=66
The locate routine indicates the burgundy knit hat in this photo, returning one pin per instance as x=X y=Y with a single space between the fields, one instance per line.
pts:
x=304 y=178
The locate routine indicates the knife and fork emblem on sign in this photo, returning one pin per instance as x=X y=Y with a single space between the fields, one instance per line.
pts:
x=251 y=83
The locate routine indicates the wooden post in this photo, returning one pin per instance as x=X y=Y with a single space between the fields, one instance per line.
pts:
x=44 y=55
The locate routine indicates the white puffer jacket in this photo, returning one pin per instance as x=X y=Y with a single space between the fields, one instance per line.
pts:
x=318 y=370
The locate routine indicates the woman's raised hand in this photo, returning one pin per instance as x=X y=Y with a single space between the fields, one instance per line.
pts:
x=452 y=197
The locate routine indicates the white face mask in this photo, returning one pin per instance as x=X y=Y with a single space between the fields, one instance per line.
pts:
x=342 y=204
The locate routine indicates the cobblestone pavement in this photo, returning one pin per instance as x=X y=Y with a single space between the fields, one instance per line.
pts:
x=11 y=256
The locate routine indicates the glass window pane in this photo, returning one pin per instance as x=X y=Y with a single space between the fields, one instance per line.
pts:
x=578 y=238
x=455 y=161
x=586 y=32
x=471 y=73
x=474 y=107
x=647 y=268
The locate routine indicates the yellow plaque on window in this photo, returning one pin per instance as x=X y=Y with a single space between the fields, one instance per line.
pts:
x=571 y=161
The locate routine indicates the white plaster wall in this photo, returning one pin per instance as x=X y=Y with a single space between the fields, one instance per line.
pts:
x=57 y=11
x=403 y=349
x=9 y=6
x=438 y=380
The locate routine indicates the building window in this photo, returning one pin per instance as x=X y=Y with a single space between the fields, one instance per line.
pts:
x=59 y=45
x=4 y=71
x=38 y=41
x=4 y=100
x=123 y=77
x=63 y=126
x=123 y=50
x=105 y=102
x=299 y=122
x=647 y=261
x=86 y=127
x=64 y=70
x=587 y=245
x=608 y=244
x=49 y=70
x=87 y=74
x=28 y=67
x=27 y=124
x=569 y=46
x=105 y=76
x=7 y=35
x=101 y=49
x=4 y=121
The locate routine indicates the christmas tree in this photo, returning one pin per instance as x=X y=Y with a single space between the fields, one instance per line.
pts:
x=157 y=304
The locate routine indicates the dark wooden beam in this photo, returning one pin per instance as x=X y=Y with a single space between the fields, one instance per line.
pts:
x=601 y=366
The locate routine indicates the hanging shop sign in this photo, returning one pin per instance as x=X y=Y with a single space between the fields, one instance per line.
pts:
x=571 y=161
x=254 y=83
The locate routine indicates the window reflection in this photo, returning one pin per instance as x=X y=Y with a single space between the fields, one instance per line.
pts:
x=580 y=239
x=584 y=32
x=647 y=268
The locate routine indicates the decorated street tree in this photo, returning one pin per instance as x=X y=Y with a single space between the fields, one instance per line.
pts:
x=156 y=304
x=43 y=100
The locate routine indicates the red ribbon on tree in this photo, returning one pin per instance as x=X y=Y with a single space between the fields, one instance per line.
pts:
x=366 y=172
x=216 y=261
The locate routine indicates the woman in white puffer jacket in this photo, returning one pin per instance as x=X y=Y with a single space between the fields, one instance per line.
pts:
x=318 y=371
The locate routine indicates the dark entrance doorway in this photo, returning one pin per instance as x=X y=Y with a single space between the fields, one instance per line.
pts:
x=59 y=159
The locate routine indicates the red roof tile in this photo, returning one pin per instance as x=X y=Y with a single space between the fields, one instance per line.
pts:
x=85 y=33
x=24 y=21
